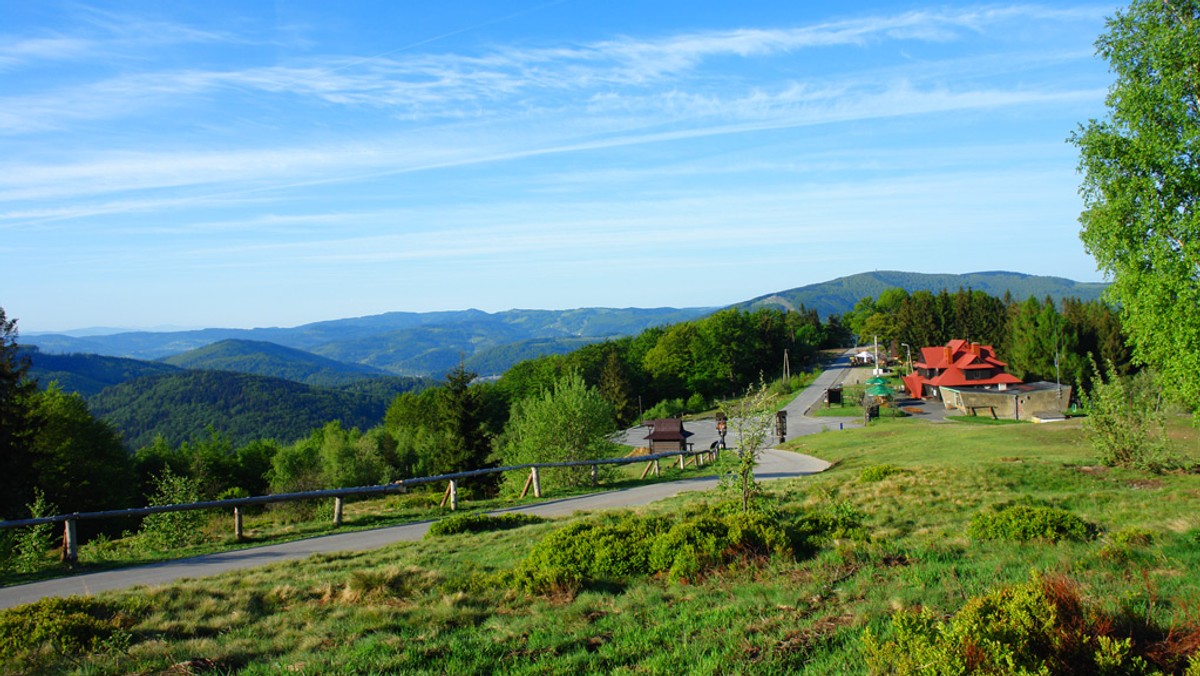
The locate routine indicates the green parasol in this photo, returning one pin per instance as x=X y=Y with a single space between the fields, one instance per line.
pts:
x=879 y=391
x=876 y=381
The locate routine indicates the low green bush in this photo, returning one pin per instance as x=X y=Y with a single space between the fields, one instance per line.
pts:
x=878 y=473
x=480 y=523
x=1022 y=523
x=625 y=545
x=838 y=520
x=1038 y=627
x=33 y=637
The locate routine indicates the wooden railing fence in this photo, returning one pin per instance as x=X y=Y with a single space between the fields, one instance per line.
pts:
x=69 y=521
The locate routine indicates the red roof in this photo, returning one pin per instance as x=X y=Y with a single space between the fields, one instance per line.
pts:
x=953 y=360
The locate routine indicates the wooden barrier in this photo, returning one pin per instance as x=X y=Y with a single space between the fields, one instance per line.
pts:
x=71 y=544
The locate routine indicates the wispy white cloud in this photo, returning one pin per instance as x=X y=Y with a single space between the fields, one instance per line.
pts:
x=433 y=85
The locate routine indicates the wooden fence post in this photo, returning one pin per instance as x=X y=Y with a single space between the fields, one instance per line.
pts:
x=453 y=495
x=337 y=512
x=237 y=524
x=681 y=461
x=657 y=469
x=70 y=553
x=537 y=484
x=593 y=475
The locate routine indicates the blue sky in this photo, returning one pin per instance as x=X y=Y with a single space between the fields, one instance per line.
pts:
x=243 y=164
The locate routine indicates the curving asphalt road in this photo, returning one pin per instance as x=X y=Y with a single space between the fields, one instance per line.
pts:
x=773 y=464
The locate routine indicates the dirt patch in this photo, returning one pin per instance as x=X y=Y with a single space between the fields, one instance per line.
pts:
x=1146 y=484
x=1092 y=470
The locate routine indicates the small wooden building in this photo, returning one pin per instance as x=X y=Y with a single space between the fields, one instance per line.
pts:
x=666 y=435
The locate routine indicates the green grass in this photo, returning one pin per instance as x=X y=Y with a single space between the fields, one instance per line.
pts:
x=441 y=605
x=985 y=420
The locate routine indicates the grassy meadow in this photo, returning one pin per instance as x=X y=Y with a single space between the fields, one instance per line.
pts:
x=894 y=527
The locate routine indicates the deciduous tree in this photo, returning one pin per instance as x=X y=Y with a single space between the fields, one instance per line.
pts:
x=1141 y=185
x=17 y=425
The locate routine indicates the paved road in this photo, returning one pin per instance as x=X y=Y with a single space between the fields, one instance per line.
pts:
x=773 y=464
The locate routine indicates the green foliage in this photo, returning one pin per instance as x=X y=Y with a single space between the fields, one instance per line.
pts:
x=751 y=422
x=89 y=374
x=834 y=520
x=37 y=636
x=667 y=408
x=31 y=544
x=622 y=545
x=569 y=422
x=1022 y=523
x=80 y=461
x=172 y=530
x=18 y=425
x=1125 y=422
x=1039 y=627
x=878 y=473
x=444 y=429
x=480 y=523
x=1141 y=178
x=240 y=406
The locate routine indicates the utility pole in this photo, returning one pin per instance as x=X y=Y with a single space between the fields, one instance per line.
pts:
x=787 y=368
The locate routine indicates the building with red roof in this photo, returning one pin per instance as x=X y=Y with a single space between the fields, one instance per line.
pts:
x=957 y=364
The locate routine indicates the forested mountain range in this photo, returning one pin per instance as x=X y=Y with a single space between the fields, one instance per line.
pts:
x=838 y=296
x=401 y=343
x=269 y=359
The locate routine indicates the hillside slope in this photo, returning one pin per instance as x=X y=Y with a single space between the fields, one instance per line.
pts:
x=181 y=407
x=838 y=296
x=277 y=361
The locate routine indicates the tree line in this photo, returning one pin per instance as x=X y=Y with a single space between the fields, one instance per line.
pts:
x=1038 y=339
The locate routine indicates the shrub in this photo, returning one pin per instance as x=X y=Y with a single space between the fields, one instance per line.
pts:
x=627 y=545
x=689 y=547
x=172 y=530
x=878 y=473
x=1039 y=627
x=836 y=520
x=1125 y=421
x=32 y=636
x=32 y=543
x=1022 y=523
x=667 y=408
x=480 y=523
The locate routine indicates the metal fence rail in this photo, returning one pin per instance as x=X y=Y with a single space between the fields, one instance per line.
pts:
x=70 y=540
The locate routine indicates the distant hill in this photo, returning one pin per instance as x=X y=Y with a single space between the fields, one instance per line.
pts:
x=838 y=296
x=268 y=359
x=88 y=374
x=495 y=361
x=245 y=407
x=402 y=343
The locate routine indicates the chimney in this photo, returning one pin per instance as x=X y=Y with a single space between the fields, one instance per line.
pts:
x=975 y=349
x=947 y=354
